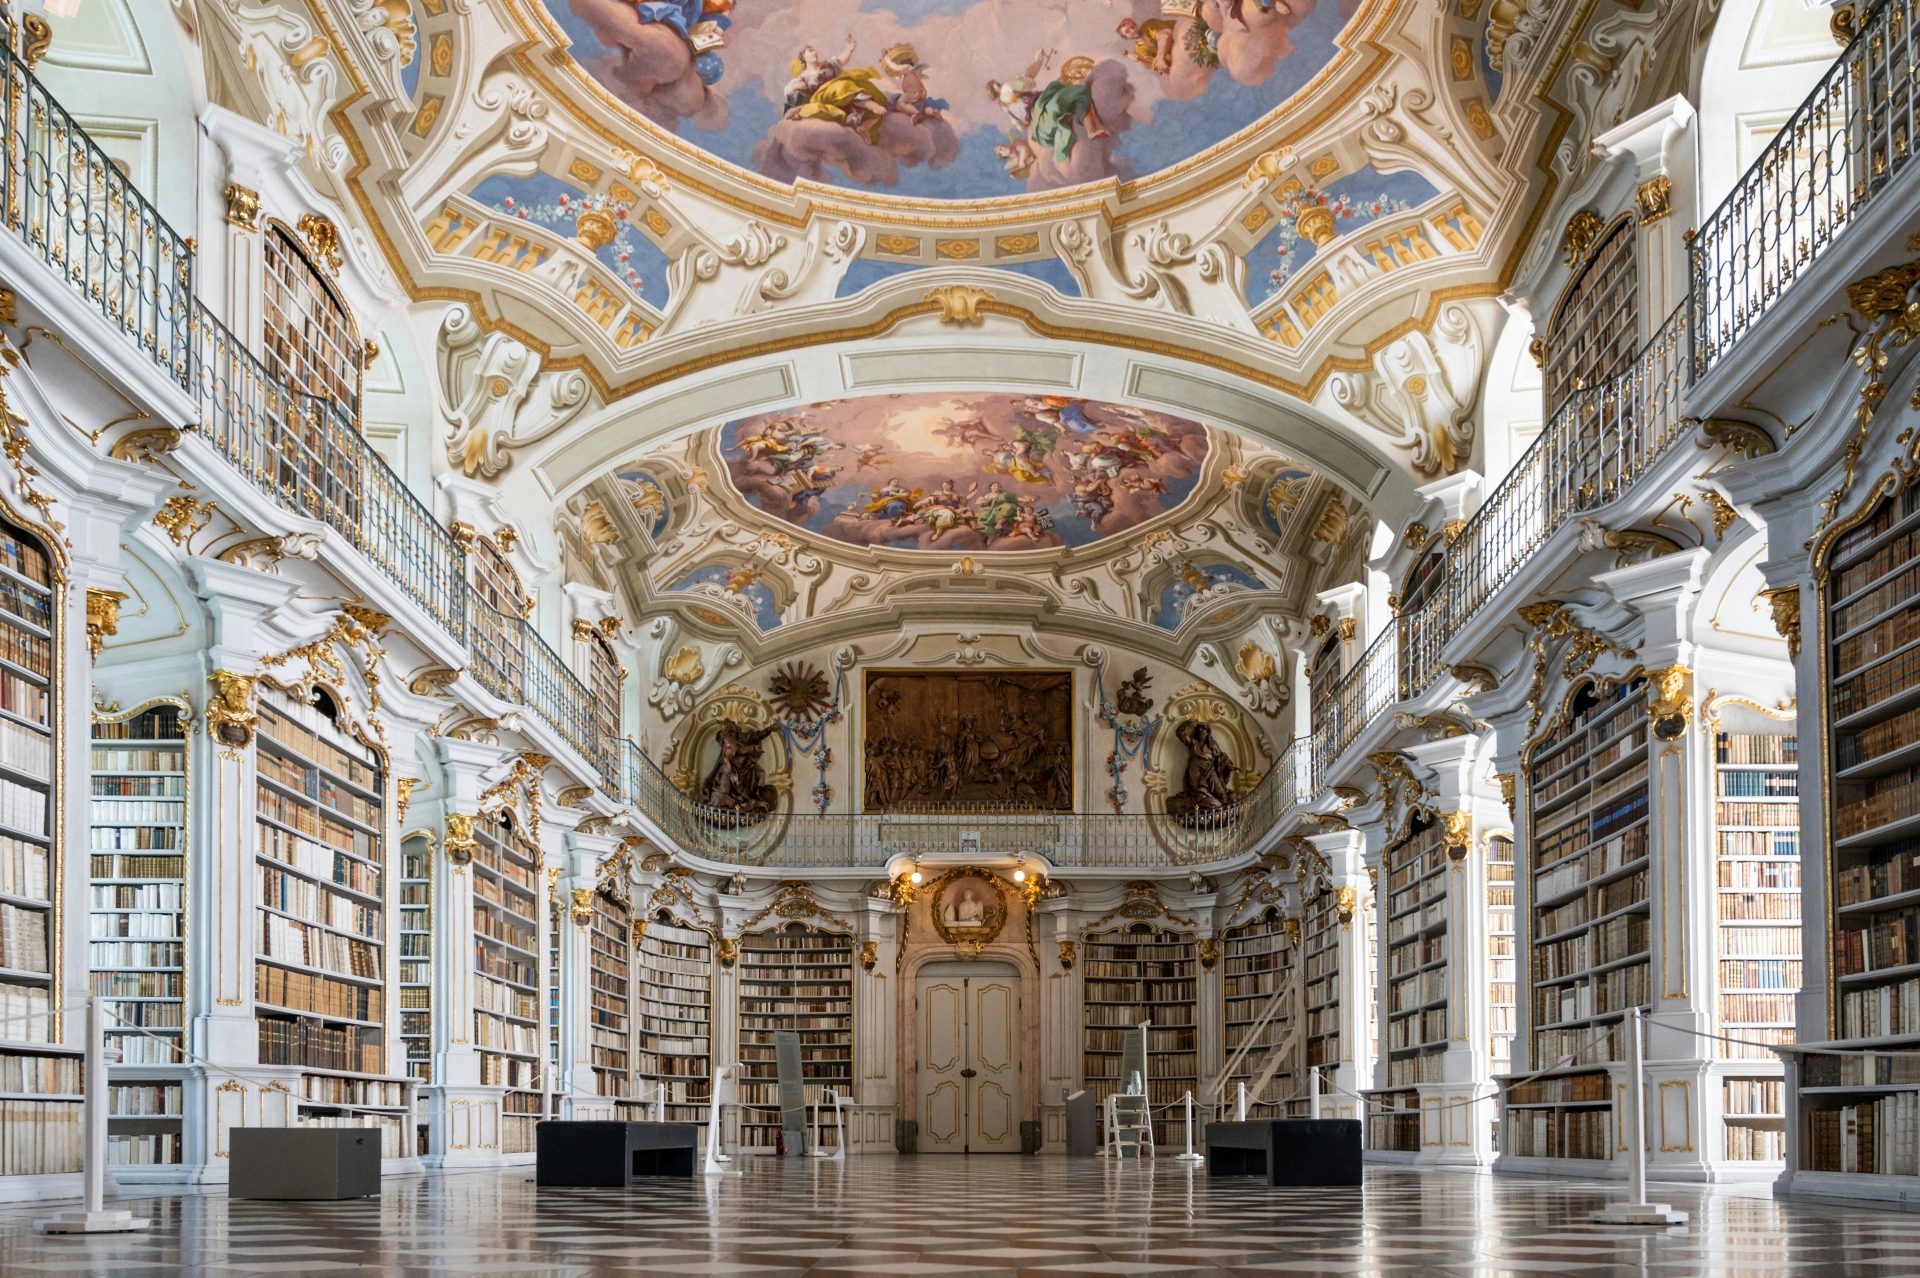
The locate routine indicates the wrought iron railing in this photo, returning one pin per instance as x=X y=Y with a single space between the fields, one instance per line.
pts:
x=1840 y=150
x=869 y=839
x=66 y=200
x=1364 y=692
x=308 y=454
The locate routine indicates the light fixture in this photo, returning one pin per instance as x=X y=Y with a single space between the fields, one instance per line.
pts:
x=1019 y=876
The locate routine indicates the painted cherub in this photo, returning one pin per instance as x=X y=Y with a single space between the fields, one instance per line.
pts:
x=903 y=66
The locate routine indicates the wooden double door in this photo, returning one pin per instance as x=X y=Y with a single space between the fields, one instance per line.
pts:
x=968 y=1037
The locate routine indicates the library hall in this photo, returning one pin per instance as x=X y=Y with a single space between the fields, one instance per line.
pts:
x=604 y=666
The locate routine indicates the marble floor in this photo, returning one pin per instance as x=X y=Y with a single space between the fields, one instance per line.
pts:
x=982 y=1215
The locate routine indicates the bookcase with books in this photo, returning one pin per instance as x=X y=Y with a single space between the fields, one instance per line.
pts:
x=673 y=1009
x=416 y=956
x=798 y=978
x=507 y=977
x=321 y=963
x=1260 y=961
x=39 y=1078
x=609 y=976
x=1501 y=1010
x=1857 y=1117
x=136 y=934
x=1757 y=918
x=1417 y=939
x=1587 y=924
x=1320 y=956
x=1136 y=974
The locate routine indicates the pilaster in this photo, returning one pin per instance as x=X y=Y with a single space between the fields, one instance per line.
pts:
x=574 y=1080
x=1345 y=854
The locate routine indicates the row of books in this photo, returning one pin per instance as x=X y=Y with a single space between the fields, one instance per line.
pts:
x=31 y=1074
x=1882 y=637
x=1418 y=954
x=1417 y=1029
x=1884 y=737
x=1429 y=986
x=1893 y=1008
x=1889 y=591
x=508 y=1071
x=1889 y=873
x=1869 y=687
x=319 y=861
x=302 y=819
x=1746 y=1143
x=23 y=808
x=326 y=1089
x=1433 y=914
x=1753 y=1095
x=23 y=938
x=313 y=903
x=144 y=1100
x=306 y=732
x=392 y=1128
x=161 y=758
x=1757 y=874
x=1891 y=939
x=23 y=868
x=1427 y=1067
x=1121 y=970
x=1578 y=867
x=1760 y=974
x=1759 y=942
x=290 y=941
x=1578 y=1044
x=21 y=556
x=25 y=749
x=1731 y=784
x=505 y=1000
x=1736 y=747
x=1123 y=1012
x=153 y=1149
x=139 y=838
x=494 y=963
x=37 y=1138
x=143 y=1015
x=1755 y=812
x=353 y=1048
x=1158 y=1040
x=1854 y=576
x=138 y=896
x=135 y=984
x=1576 y=1133
x=1875 y=1137
x=1775 y=907
x=1758 y=1009
x=323 y=996
x=505 y=1036
x=21 y=697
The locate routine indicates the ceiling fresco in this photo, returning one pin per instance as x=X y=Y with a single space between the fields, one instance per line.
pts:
x=953 y=472
x=953 y=99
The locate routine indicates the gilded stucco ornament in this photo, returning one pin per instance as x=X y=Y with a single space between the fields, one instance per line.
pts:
x=1784 y=602
x=1654 y=197
x=1741 y=437
x=459 y=843
x=231 y=717
x=1670 y=701
x=1456 y=834
x=1475 y=678
x=103 y=617
x=1066 y=955
x=1893 y=319
x=323 y=239
x=1346 y=900
x=403 y=798
x=959 y=303
x=869 y=956
x=1506 y=780
x=581 y=906
x=243 y=206
x=1209 y=953
x=1583 y=229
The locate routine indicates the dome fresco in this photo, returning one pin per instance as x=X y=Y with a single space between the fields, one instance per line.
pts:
x=966 y=472
x=953 y=99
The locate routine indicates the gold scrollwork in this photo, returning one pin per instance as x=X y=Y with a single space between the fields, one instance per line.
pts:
x=869 y=956
x=243 y=206
x=728 y=951
x=1583 y=229
x=1654 y=198
x=1066 y=956
x=103 y=617
x=1346 y=900
x=323 y=238
x=1209 y=953
x=582 y=906
x=1785 y=604
x=959 y=303
x=1456 y=834
x=1670 y=701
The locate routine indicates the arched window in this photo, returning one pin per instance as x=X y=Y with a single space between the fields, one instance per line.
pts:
x=312 y=342
x=1595 y=328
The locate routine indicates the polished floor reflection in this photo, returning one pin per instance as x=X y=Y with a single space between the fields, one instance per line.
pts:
x=984 y=1215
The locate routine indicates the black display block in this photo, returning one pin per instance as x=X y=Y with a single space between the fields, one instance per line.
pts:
x=1288 y=1151
x=609 y=1155
x=304 y=1163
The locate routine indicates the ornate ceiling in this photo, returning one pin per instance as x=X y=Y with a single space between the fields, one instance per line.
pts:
x=953 y=99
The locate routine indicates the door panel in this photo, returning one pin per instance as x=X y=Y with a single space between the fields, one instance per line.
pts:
x=969 y=1027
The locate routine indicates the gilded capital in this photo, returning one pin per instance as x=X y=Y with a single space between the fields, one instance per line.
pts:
x=103 y=617
x=230 y=713
x=243 y=206
x=460 y=844
x=1066 y=955
x=1346 y=901
x=582 y=906
x=1785 y=603
x=1456 y=834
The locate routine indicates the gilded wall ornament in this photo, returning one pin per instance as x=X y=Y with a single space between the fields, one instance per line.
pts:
x=1320 y=623
x=243 y=206
x=1654 y=198
x=323 y=238
x=959 y=303
x=1724 y=515
x=1456 y=834
x=403 y=797
x=1346 y=900
x=1506 y=780
x=459 y=843
x=1066 y=956
x=1670 y=700
x=182 y=516
x=1209 y=953
x=103 y=617
x=1784 y=601
x=869 y=956
x=1583 y=229
x=581 y=906
x=1415 y=536
x=1349 y=628
x=799 y=691
x=1477 y=678
x=1291 y=927
x=1741 y=437
x=230 y=711
x=727 y=951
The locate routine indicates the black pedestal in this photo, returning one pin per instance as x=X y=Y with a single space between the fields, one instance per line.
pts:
x=304 y=1163
x=609 y=1155
x=1288 y=1151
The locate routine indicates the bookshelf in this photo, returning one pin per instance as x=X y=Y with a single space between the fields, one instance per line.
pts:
x=556 y=928
x=1501 y=1009
x=1320 y=946
x=1757 y=917
x=416 y=956
x=1140 y=974
x=1417 y=943
x=136 y=934
x=797 y=978
x=39 y=1079
x=320 y=969
x=506 y=965
x=1588 y=930
x=610 y=974
x=1856 y=1116
x=1258 y=961
x=673 y=1005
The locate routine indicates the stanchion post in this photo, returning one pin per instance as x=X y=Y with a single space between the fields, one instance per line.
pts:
x=1313 y=1091
x=716 y=1161
x=94 y=1218
x=1240 y=1103
x=1637 y=1210
x=660 y=1101
x=1189 y=1156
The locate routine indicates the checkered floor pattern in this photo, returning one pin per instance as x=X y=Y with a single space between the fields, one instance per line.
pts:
x=976 y=1216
